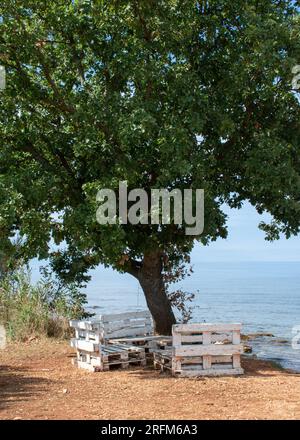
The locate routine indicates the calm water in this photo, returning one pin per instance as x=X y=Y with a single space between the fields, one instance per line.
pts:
x=265 y=297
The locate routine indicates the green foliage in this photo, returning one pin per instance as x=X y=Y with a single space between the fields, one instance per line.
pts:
x=102 y=91
x=43 y=309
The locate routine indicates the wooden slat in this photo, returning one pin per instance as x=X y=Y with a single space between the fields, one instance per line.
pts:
x=202 y=327
x=84 y=345
x=236 y=361
x=120 y=325
x=84 y=365
x=139 y=331
x=88 y=336
x=236 y=337
x=206 y=338
x=213 y=349
x=206 y=362
x=127 y=315
x=85 y=325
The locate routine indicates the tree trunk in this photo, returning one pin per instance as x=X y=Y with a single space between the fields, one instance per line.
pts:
x=152 y=283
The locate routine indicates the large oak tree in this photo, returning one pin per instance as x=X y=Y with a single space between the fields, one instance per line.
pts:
x=162 y=94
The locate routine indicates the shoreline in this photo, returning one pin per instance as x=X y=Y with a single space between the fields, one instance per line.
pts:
x=270 y=342
x=37 y=381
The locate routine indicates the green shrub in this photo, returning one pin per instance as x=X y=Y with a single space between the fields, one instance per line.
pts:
x=43 y=309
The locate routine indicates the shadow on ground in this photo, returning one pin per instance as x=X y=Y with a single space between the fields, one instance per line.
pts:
x=17 y=385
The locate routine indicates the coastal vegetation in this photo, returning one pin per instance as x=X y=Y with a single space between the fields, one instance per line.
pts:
x=29 y=310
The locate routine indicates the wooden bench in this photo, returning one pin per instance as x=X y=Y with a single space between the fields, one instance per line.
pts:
x=130 y=333
x=202 y=350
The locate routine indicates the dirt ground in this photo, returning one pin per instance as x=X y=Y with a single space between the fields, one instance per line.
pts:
x=37 y=381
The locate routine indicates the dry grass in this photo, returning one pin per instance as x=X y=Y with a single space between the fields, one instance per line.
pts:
x=37 y=381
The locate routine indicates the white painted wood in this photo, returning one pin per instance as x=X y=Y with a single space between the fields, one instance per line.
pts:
x=236 y=337
x=176 y=364
x=121 y=316
x=207 y=362
x=120 y=325
x=139 y=331
x=236 y=361
x=139 y=339
x=213 y=349
x=89 y=336
x=84 y=345
x=84 y=365
x=206 y=338
x=85 y=325
x=202 y=327
x=96 y=362
x=176 y=338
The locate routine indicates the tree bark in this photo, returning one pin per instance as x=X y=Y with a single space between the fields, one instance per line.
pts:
x=151 y=280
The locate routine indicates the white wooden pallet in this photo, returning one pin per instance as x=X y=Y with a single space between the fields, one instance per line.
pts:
x=202 y=350
x=107 y=356
x=120 y=325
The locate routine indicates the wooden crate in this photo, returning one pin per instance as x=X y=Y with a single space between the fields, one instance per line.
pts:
x=203 y=350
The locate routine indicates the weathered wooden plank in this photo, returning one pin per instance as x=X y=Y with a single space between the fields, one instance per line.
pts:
x=133 y=348
x=206 y=362
x=202 y=327
x=206 y=338
x=87 y=335
x=84 y=365
x=139 y=331
x=199 y=359
x=127 y=315
x=120 y=325
x=96 y=362
x=212 y=349
x=236 y=337
x=84 y=345
x=236 y=361
x=85 y=325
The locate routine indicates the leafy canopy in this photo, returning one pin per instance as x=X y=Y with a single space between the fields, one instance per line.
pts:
x=163 y=94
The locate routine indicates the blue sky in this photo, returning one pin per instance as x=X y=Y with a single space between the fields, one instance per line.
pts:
x=246 y=242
